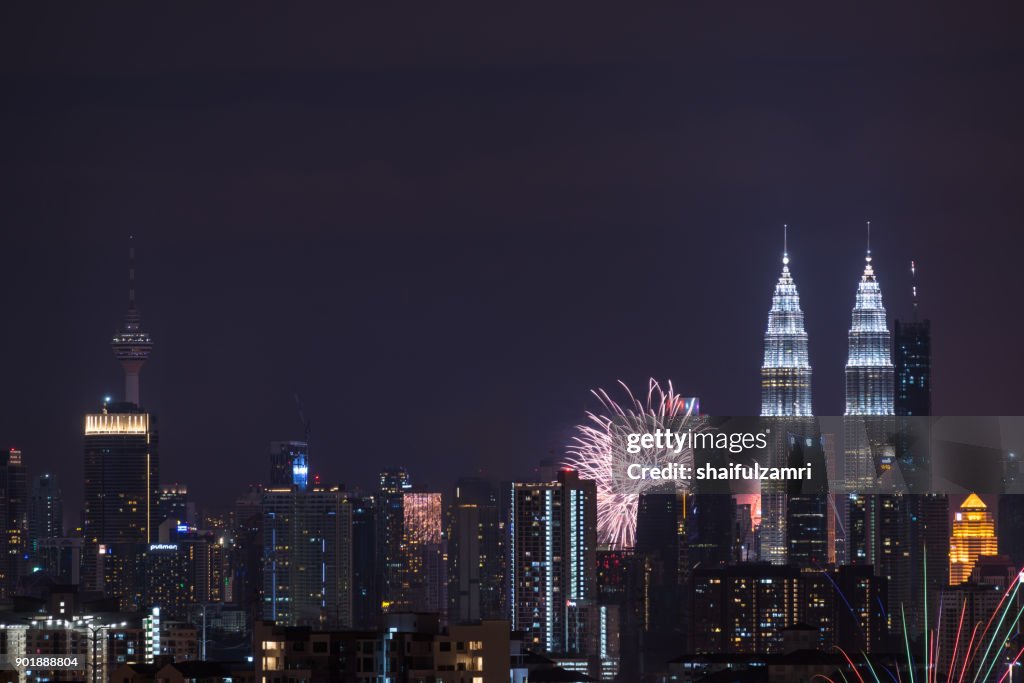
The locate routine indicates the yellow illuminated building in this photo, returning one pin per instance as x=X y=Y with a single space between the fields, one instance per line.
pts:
x=974 y=535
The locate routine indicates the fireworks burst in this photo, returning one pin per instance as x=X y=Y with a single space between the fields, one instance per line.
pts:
x=987 y=651
x=597 y=452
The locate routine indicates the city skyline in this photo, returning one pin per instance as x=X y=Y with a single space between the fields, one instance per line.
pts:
x=457 y=223
x=130 y=378
x=479 y=345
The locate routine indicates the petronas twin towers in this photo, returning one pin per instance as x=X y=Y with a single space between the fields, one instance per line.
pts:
x=786 y=389
x=786 y=370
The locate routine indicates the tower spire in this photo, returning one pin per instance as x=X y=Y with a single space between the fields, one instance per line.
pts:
x=785 y=244
x=868 y=257
x=131 y=345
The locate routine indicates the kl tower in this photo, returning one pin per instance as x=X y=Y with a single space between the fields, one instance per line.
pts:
x=131 y=346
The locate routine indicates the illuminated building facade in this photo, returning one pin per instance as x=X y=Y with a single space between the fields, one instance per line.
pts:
x=172 y=504
x=974 y=535
x=553 y=563
x=786 y=370
x=289 y=464
x=424 y=579
x=307 y=557
x=409 y=647
x=869 y=369
x=867 y=429
x=121 y=488
x=745 y=609
x=786 y=398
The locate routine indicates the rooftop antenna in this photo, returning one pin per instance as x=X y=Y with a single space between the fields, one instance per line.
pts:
x=869 y=242
x=131 y=272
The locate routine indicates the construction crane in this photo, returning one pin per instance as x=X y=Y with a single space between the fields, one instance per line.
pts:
x=302 y=418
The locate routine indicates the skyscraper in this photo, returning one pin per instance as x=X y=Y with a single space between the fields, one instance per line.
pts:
x=867 y=429
x=869 y=370
x=785 y=399
x=366 y=580
x=307 y=556
x=45 y=512
x=553 y=563
x=14 y=511
x=786 y=370
x=390 y=521
x=475 y=567
x=913 y=346
x=424 y=579
x=121 y=488
x=974 y=535
x=922 y=565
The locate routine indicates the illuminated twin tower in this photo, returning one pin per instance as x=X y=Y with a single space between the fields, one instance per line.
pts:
x=786 y=383
x=786 y=371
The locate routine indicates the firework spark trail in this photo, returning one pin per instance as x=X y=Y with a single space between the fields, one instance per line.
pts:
x=1016 y=587
x=598 y=447
x=852 y=665
x=959 y=629
x=1012 y=664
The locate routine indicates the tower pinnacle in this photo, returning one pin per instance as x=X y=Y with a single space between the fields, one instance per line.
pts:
x=131 y=346
x=785 y=244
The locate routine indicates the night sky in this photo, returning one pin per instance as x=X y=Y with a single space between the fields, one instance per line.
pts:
x=442 y=229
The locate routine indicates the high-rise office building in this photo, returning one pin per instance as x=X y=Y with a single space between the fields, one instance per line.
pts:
x=121 y=488
x=172 y=504
x=14 y=536
x=475 y=567
x=974 y=535
x=46 y=527
x=921 y=568
x=289 y=464
x=662 y=548
x=307 y=557
x=913 y=348
x=807 y=503
x=45 y=510
x=366 y=580
x=390 y=520
x=785 y=399
x=553 y=563
x=424 y=579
